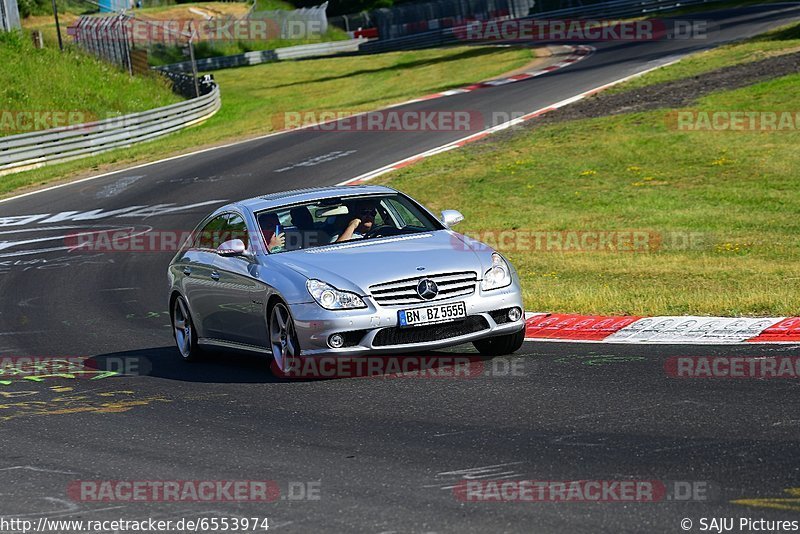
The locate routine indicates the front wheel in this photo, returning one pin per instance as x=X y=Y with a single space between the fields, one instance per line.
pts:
x=183 y=331
x=500 y=345
x=283 y=341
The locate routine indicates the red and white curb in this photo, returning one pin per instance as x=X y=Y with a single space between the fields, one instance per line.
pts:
x=690 y=330
x=362 y=178
x=578 y=53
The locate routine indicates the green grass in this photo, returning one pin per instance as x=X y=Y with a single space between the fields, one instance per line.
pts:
x=272 y=5
x=255 y=98
x=738 y=193
x=47 y=80
x=779 y=41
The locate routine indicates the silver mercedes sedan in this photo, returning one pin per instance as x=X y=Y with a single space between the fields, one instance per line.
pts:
x=342 y=272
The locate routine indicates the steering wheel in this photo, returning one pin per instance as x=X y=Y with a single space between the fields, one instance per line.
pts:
x=375 y=231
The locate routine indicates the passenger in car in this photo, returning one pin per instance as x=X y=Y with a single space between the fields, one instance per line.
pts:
x=270 y=228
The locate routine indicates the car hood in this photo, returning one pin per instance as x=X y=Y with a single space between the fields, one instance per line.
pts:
x=355 y=266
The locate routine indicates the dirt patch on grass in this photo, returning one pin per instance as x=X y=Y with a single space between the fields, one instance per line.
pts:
x=544 y=57
x=674 y=94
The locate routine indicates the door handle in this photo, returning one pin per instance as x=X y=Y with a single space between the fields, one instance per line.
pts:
x=187 y=271
x=215 y=276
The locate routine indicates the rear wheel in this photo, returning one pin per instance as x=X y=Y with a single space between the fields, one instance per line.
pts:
x=183 y=330
x=283 y=341
x=500 y=345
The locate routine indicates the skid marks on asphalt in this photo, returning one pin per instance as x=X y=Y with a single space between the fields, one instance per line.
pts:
x=448 y=480
x=582 y=355
x=317 y=160
x=117 y=186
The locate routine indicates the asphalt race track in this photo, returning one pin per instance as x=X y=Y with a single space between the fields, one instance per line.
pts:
x=358 y=454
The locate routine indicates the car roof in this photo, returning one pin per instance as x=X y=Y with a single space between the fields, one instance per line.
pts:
x=296 y=196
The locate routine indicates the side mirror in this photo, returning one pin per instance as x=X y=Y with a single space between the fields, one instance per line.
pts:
x=234 y=247
x=451 y=218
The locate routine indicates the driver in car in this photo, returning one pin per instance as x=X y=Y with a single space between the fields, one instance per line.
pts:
x=359 y=226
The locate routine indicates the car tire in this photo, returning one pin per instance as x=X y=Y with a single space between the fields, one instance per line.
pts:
x=283 y=343
x=183 y=331
x=500 y=345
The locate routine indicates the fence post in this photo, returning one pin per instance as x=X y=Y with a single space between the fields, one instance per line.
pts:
x=194 y=63
x=58 y=26
x=124 y=28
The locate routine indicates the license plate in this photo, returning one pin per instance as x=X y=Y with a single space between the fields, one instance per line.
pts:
x=432 y=314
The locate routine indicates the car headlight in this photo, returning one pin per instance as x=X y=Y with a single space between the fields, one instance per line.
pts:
x=331 y=298
x=498 y=276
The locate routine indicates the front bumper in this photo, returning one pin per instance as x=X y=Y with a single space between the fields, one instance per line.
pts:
x=374 y=330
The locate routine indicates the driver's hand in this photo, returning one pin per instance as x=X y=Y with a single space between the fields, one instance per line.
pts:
x=355 y=223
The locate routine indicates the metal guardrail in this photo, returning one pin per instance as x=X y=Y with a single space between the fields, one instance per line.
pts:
x=36 y=149
x=222 y=62
x=613 y=8
x=319 y=49
x=268 y=56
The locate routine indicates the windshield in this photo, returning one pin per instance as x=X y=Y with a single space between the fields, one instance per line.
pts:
x=338 y=220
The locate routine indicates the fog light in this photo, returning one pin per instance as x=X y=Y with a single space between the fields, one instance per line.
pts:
x=514 y=314
x=336 y=341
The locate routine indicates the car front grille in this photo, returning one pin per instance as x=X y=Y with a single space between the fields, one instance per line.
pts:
x=428 y=333
x=404 y=291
